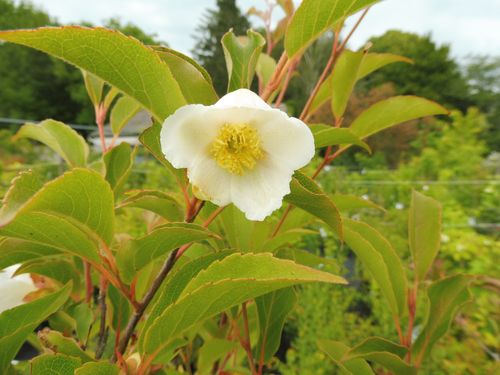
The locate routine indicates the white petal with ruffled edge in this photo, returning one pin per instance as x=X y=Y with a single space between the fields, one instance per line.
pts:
x=287 y=144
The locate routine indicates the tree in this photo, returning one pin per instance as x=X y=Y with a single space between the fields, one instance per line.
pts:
x=483 y=76
x=433 y=75
x=208 y=49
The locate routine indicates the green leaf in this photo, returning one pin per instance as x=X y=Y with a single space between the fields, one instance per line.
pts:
x=344 y=77
x=60 y=270
x=273 y=309
x=313 y=17
x=14 y=251
x=120 y=308
x=370 y=63
x=424 y=232
x=213 y=350
x=123 y=62
x=122 y=112
x=84 y=317
x=118 y=162
x=445 y=296
x=110 y=97
x=66 y=142
x=329 y=136
x=97 y=368
x=72 y=213
x=377 y=344
x=226 y=283
x=308 y=196
x=193 y=79
x=242 y=54
x=23 y=187
x=336 y=350
x=375 y=61
x=172 y=288
x=60 y=344
x=17 y=323
x=150 y=138
x=155 y=201
x=94 y=86
x=393 y=111
x=379 y=257
x=288 y=237
x=347 y=202
x=306 y=258
x=138 y=253
x=265 y=68
x=58 y=364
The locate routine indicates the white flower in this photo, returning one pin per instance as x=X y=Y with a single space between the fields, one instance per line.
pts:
x=13 y=289
x=239 y=150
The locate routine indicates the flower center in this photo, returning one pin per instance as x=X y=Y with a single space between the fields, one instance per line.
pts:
x=236 y=148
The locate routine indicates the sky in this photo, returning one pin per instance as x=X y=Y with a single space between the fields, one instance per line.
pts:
x=469 y=27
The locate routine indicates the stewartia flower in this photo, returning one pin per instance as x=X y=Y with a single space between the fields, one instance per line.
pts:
x=239 y=150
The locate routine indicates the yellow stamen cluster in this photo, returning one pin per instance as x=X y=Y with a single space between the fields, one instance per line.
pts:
x=236 y=148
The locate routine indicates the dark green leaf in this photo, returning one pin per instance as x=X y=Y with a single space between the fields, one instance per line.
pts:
x=273 y=309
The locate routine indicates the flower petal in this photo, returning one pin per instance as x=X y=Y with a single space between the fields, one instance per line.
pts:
x=213 y=181
x=187 y=133
x=285 y=139
x=261 y=191
x=242 y=98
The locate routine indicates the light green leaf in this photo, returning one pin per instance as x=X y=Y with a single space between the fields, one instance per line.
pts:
x=60 y=270
x=118 y=162
x=308 y=196
x=325 y=135
x=123 y=62
x=23 y=187
x=347 y=202
x=393 y=111
x=57 y=364
x=284 y=238
x=137 y=253
x=213 y=350
x=72 y=213
x=155 y=201
x=424 y=232
x=172 y=288
x=306 y=258
x=445 y=296
x=242 y=54
x=120 y=308
x=66 y=142
x=122 y=112
x=17 y=323
x=377 y=344
x=336 y=351
x=94 y=86
x=14 y=251
x=97 y=368
x=391 y=362
x=226 y=283
x=84 y=317
x=313 y=17
x=381 y=260
x=110 y=97
x=193 y=79
x=265 y=68
x=273 y=309
x=375 y=61
x=344 y=77
x=60 y=344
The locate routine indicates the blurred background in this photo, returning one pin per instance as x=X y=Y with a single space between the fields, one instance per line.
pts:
x=455 y=46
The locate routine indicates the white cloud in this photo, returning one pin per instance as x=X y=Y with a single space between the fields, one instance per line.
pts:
x=469 y=27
